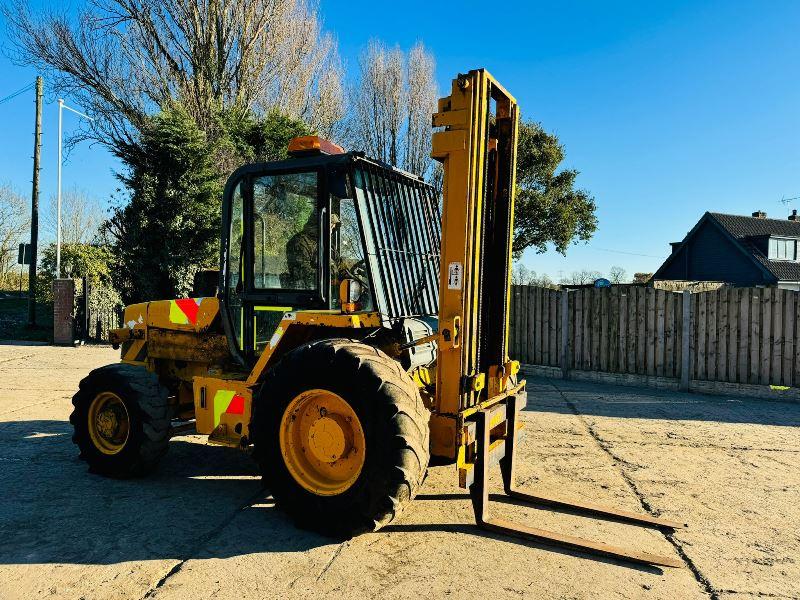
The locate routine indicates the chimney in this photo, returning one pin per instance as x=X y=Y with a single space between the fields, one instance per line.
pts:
x=760 y=214
x=793 y=216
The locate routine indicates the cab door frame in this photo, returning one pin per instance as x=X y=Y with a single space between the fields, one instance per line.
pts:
x=252 y=297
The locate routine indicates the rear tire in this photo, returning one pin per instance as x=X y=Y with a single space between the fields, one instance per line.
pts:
x=139 y=400
x=395 y=428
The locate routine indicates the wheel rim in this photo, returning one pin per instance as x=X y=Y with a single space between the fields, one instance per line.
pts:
x=322 y=442
x=109 y=423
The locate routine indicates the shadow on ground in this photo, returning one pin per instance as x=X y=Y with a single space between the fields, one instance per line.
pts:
x=52 y=510
x=590 y=398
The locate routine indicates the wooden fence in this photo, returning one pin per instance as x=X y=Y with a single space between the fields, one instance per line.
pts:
x=736 y=335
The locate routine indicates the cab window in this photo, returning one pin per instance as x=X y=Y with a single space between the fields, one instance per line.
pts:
x=234 y=271
x=347 y=252
x=286 y=232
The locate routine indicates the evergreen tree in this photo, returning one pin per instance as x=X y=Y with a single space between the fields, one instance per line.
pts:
x=169 y=227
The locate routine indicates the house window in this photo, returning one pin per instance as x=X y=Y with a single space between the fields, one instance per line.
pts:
x=782 y=249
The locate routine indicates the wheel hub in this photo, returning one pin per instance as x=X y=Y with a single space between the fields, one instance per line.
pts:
x=108 y=422
x=322 y=442
x=326 y=439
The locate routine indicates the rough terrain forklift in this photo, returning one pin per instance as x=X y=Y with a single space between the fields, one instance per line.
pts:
x=357 y=328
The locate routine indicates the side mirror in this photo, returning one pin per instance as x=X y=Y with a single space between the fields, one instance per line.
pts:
x=350 y=292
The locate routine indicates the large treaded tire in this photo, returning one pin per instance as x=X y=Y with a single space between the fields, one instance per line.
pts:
x=395 y=424
x=147 y=404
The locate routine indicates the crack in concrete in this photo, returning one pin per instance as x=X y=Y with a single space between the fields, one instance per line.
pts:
x=201 y=542
x=699 y=576
x=26 y=407
x=760 y=594
x=175 y=569
x=710 y=447
x=334 y=556
x=7 y=360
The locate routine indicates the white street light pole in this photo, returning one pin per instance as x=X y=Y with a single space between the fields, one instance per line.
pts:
x=58 y=201
x=61 y=107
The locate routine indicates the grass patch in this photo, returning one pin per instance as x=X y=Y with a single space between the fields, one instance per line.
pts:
x=14 y=320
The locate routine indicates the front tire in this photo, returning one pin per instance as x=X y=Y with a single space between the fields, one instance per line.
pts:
x=342 y=437
x=121 y=420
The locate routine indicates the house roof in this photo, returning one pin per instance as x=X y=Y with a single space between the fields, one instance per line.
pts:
x=742 y=228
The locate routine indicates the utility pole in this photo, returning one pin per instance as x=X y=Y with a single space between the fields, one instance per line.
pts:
x=37 y=147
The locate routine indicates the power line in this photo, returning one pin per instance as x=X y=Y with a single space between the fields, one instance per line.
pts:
x=623 y=252
x=27 y=88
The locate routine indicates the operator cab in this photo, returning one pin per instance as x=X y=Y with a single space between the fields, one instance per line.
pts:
x=294 y=230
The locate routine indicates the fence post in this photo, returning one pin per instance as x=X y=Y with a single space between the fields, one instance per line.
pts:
x=685 y=338
x=564 y=334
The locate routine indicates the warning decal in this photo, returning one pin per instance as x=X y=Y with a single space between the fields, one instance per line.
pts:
x=455 y=275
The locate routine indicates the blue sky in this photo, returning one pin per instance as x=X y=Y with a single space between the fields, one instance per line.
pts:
x=668 y=109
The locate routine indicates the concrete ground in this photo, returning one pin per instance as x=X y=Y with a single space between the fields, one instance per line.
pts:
x=203 y=527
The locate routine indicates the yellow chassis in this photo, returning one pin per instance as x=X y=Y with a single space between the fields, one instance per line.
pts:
x=188 y=355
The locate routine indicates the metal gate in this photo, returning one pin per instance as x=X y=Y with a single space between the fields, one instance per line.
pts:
x=94 y=318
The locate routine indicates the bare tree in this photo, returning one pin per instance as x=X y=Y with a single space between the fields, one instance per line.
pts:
x=544 y=280
x=423 y=94
x=581 y=277
x=122 y=60
x=522 y=275
x=14 y=221
x=81 y=217
x=617 y=275
x=391 y=106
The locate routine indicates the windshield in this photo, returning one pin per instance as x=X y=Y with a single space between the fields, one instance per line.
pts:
x=286 y=231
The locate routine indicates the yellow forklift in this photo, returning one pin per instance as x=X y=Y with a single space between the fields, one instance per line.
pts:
x=356 y=328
